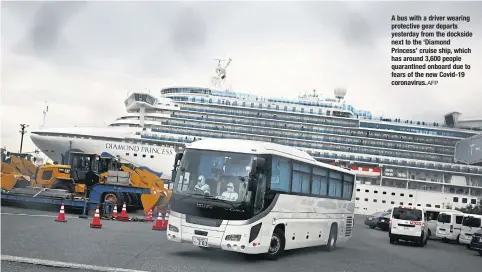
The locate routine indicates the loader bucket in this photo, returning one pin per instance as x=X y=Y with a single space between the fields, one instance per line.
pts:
x=11 y=181
x=159 y=199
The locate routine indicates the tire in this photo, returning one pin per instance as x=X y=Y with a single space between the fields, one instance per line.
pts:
x=392 y=241
x=332 y=239
x=468 y=246
x=480 y=252
x=372 y=226
x=421 y=242
x=458 y=241
x=429 y=234
x=277 y=245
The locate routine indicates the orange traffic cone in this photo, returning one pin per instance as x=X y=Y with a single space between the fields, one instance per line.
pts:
x=166 y=220
x=96 y=220
x=149 y=216
x=159 y=224
x=61 y=216
x=123 y=216
x=114 y=213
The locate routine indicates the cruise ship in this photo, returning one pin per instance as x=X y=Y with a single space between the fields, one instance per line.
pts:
x=398 y=162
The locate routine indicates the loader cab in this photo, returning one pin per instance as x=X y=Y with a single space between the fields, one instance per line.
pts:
x=84 y=168
x=87 y=168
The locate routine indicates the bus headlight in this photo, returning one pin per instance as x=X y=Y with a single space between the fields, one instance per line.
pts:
x=233 y=237
x=173 y=228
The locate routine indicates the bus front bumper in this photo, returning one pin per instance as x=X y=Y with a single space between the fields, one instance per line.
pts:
x=231 y=239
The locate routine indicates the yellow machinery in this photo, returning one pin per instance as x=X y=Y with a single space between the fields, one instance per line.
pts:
x=81 y=172
x=92 y=168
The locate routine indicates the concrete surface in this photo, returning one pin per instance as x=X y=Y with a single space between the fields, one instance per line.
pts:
x=134 y=245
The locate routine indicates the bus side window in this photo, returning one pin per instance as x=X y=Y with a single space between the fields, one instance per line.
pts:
x=280 y=174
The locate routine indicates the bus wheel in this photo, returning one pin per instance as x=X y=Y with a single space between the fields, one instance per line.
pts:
x=277 y=245
x=332 y=238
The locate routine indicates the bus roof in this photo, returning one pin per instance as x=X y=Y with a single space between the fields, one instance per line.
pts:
x=258 y=147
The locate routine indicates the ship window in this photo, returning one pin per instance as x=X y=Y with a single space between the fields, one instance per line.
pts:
x=358 y=190
x=127 y=154
x=409 y=204
x=410 y=195
x=366 y=191
x=419 y=205
x=393 y=202
x=374 y=200
x=464 y=200
x=473 y=201
x=401 y=194
x=376 y=192
x=429 y=205
x=437 y=206
x=456 y=199
x=383 y=201
x=384 y=193
x=152 y=156
x=393 y=193
x=135 y=155
x=143 y=155
x=357 y=198
x=401 y=203
x=366 y=199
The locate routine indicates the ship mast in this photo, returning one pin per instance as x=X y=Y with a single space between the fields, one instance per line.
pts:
x=46 y=109
x=219 y=78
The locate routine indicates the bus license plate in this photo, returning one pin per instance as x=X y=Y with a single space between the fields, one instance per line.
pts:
x=198 y=241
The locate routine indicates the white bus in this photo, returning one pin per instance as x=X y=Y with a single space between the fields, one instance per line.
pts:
x=470 y=224
x=449 y=225
x=258 y=198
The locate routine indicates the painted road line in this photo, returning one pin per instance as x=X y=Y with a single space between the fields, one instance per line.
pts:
x=36 y=215
x=65 y=265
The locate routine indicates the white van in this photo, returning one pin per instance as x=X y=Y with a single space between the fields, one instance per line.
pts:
x=431 y=214
x=409 y=224
x=449 y=225
x=470 y=224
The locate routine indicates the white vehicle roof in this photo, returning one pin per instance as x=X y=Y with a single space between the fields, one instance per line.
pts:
x=452 y=212
x=258 y=147
x=408 y=207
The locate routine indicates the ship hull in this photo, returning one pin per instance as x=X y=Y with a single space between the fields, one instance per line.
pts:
x=157 y=159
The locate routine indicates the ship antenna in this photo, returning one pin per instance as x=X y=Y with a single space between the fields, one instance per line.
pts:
x=219 y=78
x=46 y=109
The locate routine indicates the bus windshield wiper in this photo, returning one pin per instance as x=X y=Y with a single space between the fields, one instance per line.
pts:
x=190 y=195
x=222 y=200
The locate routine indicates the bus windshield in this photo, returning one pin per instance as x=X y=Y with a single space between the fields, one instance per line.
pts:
x=473 y=222
x=213 y=174
x=407 y=214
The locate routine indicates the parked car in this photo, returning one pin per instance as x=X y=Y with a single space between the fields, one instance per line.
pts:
x=373 y=220
x=384 y=222
x=476 y=242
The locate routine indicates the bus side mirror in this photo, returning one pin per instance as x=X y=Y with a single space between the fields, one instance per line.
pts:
x=177 y=159
x=258 y=164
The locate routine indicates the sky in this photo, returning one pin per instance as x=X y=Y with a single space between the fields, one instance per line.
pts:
x=83 y=57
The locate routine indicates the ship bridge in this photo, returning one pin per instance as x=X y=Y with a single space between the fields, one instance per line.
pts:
x=137 y=100
x=469 y=150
